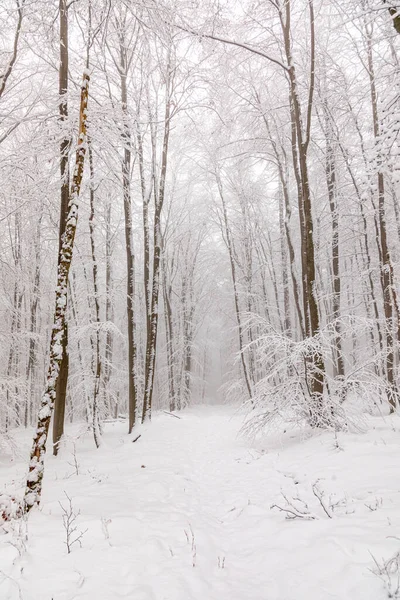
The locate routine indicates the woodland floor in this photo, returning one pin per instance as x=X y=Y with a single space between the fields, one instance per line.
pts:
x=184 y=514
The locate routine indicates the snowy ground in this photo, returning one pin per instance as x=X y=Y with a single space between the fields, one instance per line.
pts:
x=185 y=513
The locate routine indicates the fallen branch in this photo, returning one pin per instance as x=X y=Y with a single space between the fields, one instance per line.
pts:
x=171 y=414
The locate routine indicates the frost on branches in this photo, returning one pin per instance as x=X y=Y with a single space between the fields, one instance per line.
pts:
x=36 y=464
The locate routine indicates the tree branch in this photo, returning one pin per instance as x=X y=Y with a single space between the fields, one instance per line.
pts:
x=234 y=43
x=3 y=78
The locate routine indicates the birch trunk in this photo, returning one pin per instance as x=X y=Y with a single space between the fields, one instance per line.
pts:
x=36 y=465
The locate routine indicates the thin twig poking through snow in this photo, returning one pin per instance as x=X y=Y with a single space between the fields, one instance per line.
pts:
x=18 y=530
x=192 y=541
x=104 y=526
x=292 y=509
x=297 y=508
x=75 y=463
x=389 y=572
x=72 y=536
x=319 y=494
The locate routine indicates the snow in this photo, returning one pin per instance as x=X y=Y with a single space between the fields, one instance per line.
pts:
x=44 y=412
x=184 y=513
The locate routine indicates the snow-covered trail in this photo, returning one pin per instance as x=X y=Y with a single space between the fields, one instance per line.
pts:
x=184 y=514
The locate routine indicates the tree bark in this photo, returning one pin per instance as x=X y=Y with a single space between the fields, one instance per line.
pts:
x=330 y=172
x=61 y=390
x=151 y=345
x=96 y=357
x=36 y=465
x=32 y=359
x=130 y=254
x=300 y=141
x=109 y=313
x=387 y=274
x=235 y=289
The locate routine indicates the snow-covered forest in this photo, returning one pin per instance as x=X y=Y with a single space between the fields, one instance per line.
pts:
x=199 y=299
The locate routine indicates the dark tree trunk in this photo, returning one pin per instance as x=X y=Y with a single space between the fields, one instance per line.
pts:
x=330 y=171
x=109 y=314
x=151 y=345
x=387 y=274
x=130 y=256
x=96 y=357
x=300 y=141
x=229 y=244
x=61 y=390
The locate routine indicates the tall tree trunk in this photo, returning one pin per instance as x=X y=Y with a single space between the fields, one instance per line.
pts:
x=74 y=305
x=229 y=244
x=96 y=357
x=12 y=390
x=330 y=171
x=285 y=213
x=36 y=465
x=146 y=196
x=387 y=273
x=169 y=335
x=151 y=345
x=130 y=254
x=61 y=390
x=366 y=253
x=285 y=279
x=109 y=314
x=300 y=142
x=32 y=358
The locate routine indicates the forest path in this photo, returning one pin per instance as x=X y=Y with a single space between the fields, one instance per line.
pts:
x=184 y=514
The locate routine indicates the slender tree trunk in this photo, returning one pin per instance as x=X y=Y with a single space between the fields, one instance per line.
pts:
x=300 y=142
x=169 y=335
x=36 y=465
x=366 y=253
x=187 y=349
x=285 y=213
x=229 y=244
x=12 y=419
x=130 y=255
x=32 y=358
x=330 y=171
x=285 y=279
x=96 y=357
x=151 y=346
x=61 y=390
x=109 y=313
x=387 y=273
x=87 y=392
x=146 y=196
